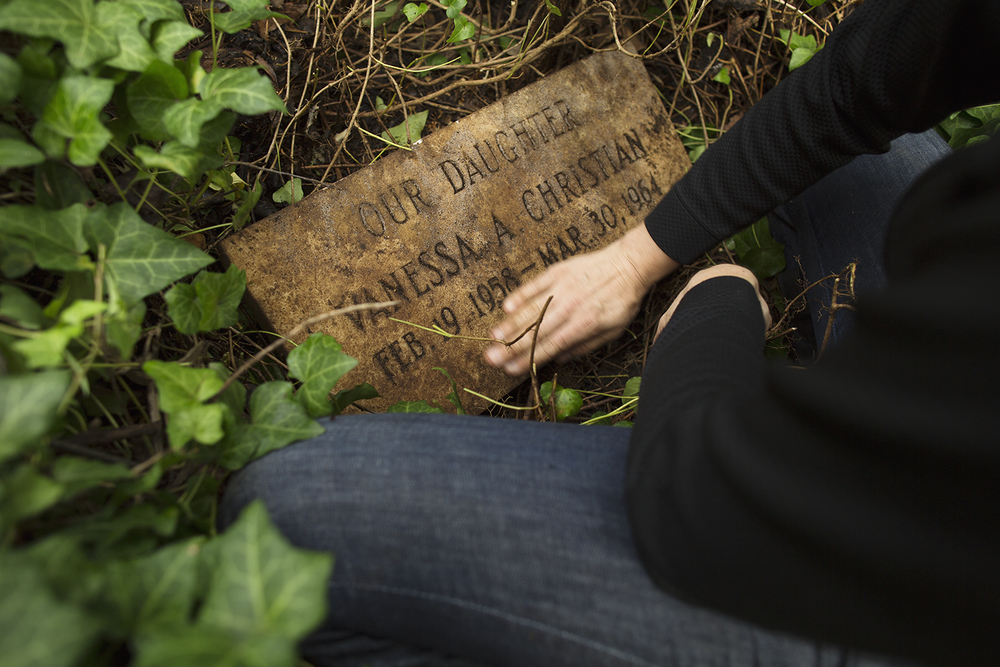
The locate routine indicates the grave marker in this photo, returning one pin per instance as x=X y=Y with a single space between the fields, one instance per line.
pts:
x=448 y=229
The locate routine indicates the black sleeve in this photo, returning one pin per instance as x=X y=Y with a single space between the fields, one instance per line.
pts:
x=892 y=67
x=857 y=502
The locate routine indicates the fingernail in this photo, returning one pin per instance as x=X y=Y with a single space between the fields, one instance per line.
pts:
x=512 y=368
x=494 y=357
x=497 y=334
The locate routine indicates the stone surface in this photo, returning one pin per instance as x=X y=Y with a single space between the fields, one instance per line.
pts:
x=561 y=167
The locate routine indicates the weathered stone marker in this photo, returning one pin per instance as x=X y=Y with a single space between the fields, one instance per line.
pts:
x=561 y=167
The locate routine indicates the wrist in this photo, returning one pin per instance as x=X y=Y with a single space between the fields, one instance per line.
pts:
x=639 y=255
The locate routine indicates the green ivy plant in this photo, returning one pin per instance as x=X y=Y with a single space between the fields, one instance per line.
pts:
x=803 y=47
x=105 y=554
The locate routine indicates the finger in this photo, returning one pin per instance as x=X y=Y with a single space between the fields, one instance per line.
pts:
x=527 y=292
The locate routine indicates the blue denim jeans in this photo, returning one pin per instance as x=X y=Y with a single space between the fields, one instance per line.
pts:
x=844 y=218
x=476 y=541
x=471 y=540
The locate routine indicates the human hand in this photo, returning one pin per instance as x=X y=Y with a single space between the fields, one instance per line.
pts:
x=714 y=272
x=594 y=296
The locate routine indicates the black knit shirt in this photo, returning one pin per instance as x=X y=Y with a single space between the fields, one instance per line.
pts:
x=857 y=502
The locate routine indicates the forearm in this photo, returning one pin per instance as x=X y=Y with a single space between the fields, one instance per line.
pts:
x=894 y=66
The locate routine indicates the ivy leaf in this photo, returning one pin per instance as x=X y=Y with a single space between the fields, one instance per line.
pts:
x=72 y=114
x=27 y=493
x=157 y=10
x=39 y=78
x=141 y=259
x=600 y=418
x=37 y=630
x=192 y=69
x=75 y=23
x=208 y=303
x=243 y=90
x=59 y=186
x=758 y=251
x=28 y=408
x=632 y=392
x=76 y=474
x=345 y=397
x=152 y=94
x=191 y=162
x=381 y=16
x=464 y=29
x=242 y=13
x=250 y=199
x=122 y=20
x=178 y=158
x=54 y=237
x=277 y=420
x=169 y=37
x=567 y=401
x=10 y=78
x=413 y=407
x=18 y=307
x=123 y=327
x=260 y=584
x=205 y=646
x=398 y=134
x=414 y=11
x=455 y=7
x=289 y=193
x=318 y=363
x=185 y=119
x=46 y=348
x=156 y=592
x=15 y=153
x=453 y=396
x=183 y=392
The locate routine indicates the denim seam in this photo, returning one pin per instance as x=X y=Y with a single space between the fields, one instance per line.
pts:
x=507 y=616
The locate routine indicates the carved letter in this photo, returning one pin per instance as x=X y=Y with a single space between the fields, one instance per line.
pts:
x=410 y=272
x=383 y=363
x=564 y=249
x=513 y=147
x=398 y=205
x=548 y=191
x=597 y=179
x=465 y=250
x=522 y=134
x=472 y=168
x=563 y=180
x=567 y=115
x=610 y=161
x=595 y=156
x=547 y=255
x=550 y=116
x=416 y=347
x=534 y=119
x=439 y=250
x=574 y=236
x=623 y=157
x=412 y=190
x=500 y=229
x=395 y=287
x=432 y=267
x=637 y=148
x=457 y=187
x=365 y=222
x=486 y=162
x=524 y=200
